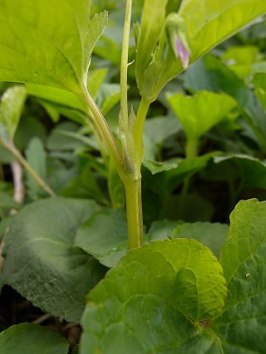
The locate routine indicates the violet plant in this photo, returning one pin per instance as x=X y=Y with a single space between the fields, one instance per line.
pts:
x=164 y=296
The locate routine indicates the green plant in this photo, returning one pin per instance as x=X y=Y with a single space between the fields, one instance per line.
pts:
x=171 y=295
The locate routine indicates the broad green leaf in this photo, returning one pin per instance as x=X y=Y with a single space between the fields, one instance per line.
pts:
x=55 y=95
x=214 y=21
x=11 y=107
x=104 y=236
x=155 y=300
x=29 y=338
x=41 y=262
x=36 y=157
x=243 y=259
x=199 y=113
x=65 y=98
x=48 y=43
x=211 y=235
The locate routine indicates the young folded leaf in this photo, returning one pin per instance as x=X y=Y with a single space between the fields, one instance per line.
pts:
x=203 y=24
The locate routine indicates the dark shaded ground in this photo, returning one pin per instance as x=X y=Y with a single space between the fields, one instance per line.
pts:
x=15 y=309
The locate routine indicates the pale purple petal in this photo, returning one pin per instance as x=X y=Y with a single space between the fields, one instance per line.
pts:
x=183 y=53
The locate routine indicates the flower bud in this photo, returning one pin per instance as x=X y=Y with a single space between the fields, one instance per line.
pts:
x=176 y=34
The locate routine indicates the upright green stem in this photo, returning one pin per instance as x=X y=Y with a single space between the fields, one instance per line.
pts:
x=124 y=67
x=133 y=180
x=16 y=153
x=191 y=148
x=134 y=212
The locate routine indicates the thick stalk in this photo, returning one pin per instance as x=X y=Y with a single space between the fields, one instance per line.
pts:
x=133 y=181
x=131 y=155
x=16 y=153
x=134 y=212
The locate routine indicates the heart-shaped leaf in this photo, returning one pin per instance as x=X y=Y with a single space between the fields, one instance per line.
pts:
x=41 y=262
x=201 y=112
x=155 y=300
